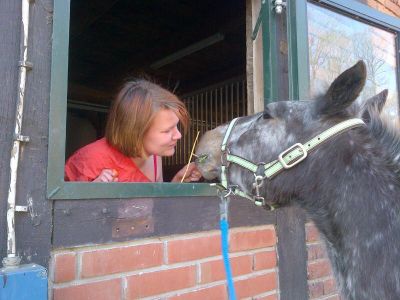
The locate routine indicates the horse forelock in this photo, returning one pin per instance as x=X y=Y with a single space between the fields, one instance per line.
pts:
x=388 y=137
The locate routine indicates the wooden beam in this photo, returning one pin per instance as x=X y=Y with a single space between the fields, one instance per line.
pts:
x=88 y=94
x=121 y=220
x=292 y=254
x=188 y=50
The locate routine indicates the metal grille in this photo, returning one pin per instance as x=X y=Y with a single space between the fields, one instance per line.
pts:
x=209 y=108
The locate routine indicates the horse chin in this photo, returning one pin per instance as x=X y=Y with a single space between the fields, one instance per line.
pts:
x=209 y=176
x=208 y=173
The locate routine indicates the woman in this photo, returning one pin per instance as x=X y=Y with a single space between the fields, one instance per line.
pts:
x=141 y=128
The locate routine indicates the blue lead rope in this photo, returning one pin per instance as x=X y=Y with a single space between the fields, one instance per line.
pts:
x=225 y=247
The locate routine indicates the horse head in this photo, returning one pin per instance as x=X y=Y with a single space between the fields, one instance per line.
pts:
x=262 y=137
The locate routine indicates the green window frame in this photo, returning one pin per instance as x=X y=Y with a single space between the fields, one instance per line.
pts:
x=57 y=188
x=298 y=67
x=297 y=31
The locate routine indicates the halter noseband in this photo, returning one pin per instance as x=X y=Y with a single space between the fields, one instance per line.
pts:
x=286 y=160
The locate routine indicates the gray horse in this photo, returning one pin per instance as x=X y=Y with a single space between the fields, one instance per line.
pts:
x=349 y=184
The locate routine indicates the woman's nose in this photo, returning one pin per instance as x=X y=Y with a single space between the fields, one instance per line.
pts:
x=177 y=134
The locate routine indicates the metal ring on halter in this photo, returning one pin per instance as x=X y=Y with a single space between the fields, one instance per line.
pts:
x=258 y=180
x=224 y=193
x=231 y=190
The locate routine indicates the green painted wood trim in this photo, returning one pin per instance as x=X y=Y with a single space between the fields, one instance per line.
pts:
x=119 y=190
x=298 y=62
x=57 y=188
x=364 y=11
x=270 y=53
x=58 y=96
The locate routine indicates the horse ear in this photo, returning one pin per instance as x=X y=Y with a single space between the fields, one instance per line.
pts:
x=343 y=90
x=374 y=105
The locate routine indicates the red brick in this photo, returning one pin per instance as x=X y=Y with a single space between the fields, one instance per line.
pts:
x=103 y=290
x=393 y=7
x=252 y=239
x=316 y=251
x=213 y=293
x=194 y=248
x=330 y=286
x=214 y=270
x=316 y=289
x=154 y=283
x=64 y=267
x=312 y=233
x=264 y=260
x=255 y=285
x=372 y=3
x=319 y=269
x=122 y=259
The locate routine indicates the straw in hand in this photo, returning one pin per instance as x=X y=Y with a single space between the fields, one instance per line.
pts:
x=191 y=155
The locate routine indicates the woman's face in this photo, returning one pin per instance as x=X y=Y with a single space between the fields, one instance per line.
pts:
x=163 y=134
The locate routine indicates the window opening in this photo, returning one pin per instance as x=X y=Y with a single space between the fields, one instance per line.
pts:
x=196 y=49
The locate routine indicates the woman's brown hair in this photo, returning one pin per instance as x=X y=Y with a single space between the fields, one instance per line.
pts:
x=132 y=113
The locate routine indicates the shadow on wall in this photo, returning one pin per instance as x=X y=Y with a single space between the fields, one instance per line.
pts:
x=80 y=132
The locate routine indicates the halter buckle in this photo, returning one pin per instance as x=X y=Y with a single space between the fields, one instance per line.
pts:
x=301 y=149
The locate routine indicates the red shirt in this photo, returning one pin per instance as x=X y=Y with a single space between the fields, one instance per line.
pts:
x=87 y=163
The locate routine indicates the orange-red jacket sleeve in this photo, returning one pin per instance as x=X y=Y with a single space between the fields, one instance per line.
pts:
x=86 y=164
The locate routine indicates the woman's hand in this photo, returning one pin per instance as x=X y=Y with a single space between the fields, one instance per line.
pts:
x=107 y=175
x=192 y=174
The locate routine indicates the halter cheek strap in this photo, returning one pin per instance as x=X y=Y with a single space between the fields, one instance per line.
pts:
x=286 y=160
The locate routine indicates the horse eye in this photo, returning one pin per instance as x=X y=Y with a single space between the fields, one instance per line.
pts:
x=266 y=114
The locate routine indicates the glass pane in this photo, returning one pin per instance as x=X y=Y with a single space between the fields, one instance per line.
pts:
x=337 y=42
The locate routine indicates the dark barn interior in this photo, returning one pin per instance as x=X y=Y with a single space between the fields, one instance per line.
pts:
x=195 y=48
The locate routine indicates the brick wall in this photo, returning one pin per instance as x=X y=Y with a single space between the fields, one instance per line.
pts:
x=176 y=267
x=321 y=282
x=391 y=7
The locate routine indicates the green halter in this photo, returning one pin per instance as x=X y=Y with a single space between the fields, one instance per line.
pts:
x=286 y=160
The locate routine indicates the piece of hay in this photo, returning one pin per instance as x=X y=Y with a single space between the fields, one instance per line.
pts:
x=190 y=157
